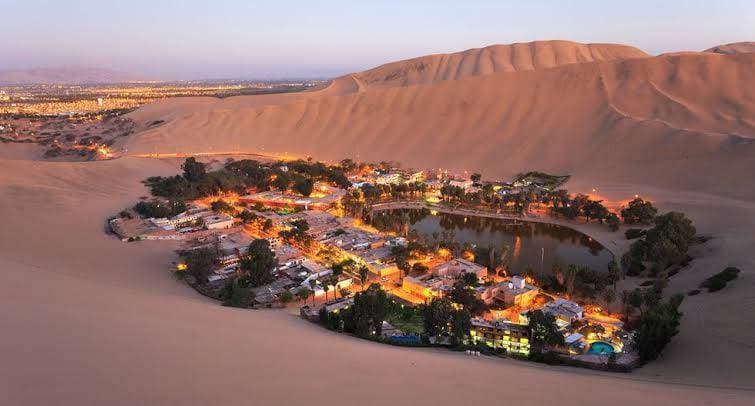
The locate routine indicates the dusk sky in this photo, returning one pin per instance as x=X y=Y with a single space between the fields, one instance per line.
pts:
x=274 y=39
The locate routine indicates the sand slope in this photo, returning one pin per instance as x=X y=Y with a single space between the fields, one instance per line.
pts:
x=734 y=48
x=496 y=58
x=679 y=120
x=89 y=320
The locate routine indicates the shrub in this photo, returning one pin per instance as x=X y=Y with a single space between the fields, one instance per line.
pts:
x=693 y=292
x=719 y=280
x=286 y=297
x=633 y=233
x=221 y=206
x=158 y=209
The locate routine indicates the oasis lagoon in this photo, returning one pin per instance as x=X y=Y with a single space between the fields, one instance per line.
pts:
x=528 y=245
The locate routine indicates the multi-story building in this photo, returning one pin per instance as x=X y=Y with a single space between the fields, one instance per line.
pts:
x=514 y=338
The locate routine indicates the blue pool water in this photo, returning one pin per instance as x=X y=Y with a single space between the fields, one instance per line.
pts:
x=600 y=347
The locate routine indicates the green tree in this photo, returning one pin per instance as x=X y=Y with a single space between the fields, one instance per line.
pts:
x=657 y=326
x=221 y=206
x=470 y=279
x=158 y=209
x=286 y=297
x=312 y=285
x=257 y=266
x=613 y=221
x=639 y=211
x=594 y=209
x=282 y=181
x=200 y=262
x=461 y=323
x=465 y=295
x=475 y=177
x=437 y=316
x=194 y=171
x=367 y=314
x=326 y=288
x=303 y=294
x=237 y=295
x=543 y=329
x=304 y=186
x=364 y=272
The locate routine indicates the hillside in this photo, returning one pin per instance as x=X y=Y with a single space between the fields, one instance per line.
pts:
x=735 y=48
x=496 y=58
x=676 y=120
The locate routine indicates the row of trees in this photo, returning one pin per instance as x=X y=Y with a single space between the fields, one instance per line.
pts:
x=196 y=181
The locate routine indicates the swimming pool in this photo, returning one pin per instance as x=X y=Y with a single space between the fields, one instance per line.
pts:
x=599 y=347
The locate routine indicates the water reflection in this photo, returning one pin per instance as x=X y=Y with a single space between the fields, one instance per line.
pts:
x=528 y=244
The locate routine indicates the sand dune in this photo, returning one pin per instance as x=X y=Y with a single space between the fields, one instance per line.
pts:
x=680 y=120
x=734 y=48
x=496 y=58
x=89 y=320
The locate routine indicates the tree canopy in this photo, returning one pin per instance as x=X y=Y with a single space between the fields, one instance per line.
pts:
x=258 y=264
x=544 y=329
x=639 y=211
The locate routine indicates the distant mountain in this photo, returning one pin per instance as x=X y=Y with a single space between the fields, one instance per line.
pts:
x=64 y=75
x=734 y=48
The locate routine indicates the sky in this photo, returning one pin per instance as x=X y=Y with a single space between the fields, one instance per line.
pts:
x=193 y=39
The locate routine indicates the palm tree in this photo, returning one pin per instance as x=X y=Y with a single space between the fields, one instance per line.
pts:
x=333 y=281
x=326 y=288
x=363 y=273
x=312 y=284
x=303 y=294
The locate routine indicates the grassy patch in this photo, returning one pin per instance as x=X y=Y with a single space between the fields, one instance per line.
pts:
x=411 y=323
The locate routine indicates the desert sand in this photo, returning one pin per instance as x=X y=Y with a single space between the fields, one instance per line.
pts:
x=734 y=48
x=89 y=320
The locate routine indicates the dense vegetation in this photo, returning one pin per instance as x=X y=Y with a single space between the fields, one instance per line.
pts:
x=543 y=330
x=196 y=181
x=663 y=245
x=364 y=318
x=657 y=325
x=159 y=209
x=255 y=270
x=200 y=262
x=639 y=211
x=442 y=319
x=719 y=280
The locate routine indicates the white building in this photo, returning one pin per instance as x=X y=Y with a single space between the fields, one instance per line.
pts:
x=565 y=311
x=218 y=221
x=464 y=184
x=456 y=267
x=393 y=178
